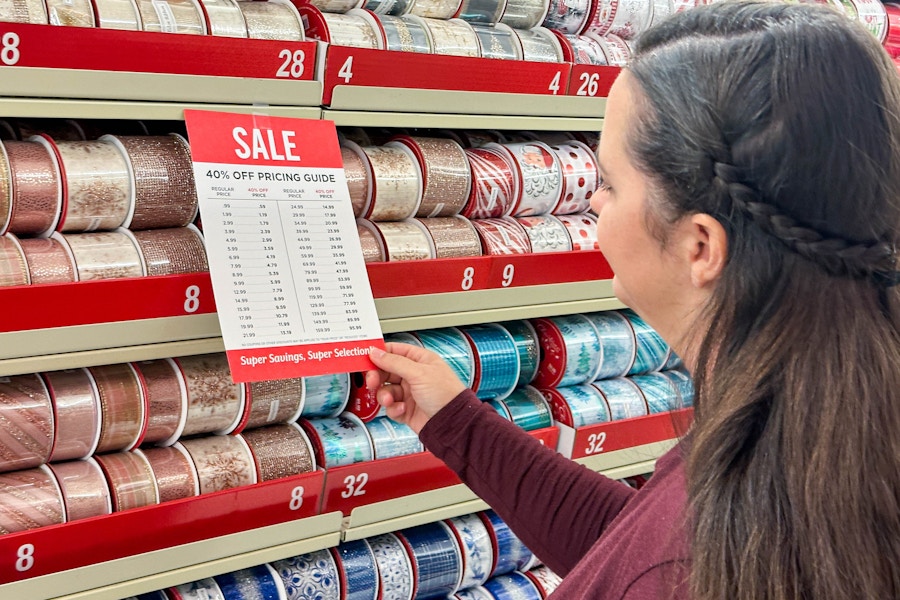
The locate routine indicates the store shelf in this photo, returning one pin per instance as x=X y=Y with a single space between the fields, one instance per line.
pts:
x=141 y=573
x=363 y=118
x=629 y=461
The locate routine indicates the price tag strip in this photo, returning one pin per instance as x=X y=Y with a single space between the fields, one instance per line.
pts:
x=285 y=260
x=619 y=435
x=47 y=46
x=90 y=541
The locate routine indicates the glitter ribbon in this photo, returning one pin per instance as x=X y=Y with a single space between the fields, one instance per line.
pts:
x=273 y=402
x=122 y=406
x=36 y=188
x=166 y=401
x=405 y=34
x=272 y=20
x=453 y=236
x=26 y=422
x=47 y=260
x=280 y=451
x=118 y=14
x=29 y=499
x=527 y=346
x=360 y=571
x=130 y=479
x=406 y=240
x=256 y=583
x=174 y=472
x=445 y=173
x=453 y=37
x=172 y=251
x=396 y=182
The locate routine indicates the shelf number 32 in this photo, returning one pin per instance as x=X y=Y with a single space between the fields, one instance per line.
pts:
x=292 y=67
x=10 y=53
x=355 y=485
x=595 y=443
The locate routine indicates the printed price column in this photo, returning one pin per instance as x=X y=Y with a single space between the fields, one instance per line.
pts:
x=287 y=269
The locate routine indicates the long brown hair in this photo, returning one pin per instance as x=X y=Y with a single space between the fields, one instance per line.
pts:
x=781 y=121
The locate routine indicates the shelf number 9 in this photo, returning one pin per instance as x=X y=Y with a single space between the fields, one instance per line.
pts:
x=10 y=53
x=508 y=272
x=292 y=67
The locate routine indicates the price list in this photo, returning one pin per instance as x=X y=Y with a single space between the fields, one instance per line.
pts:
x=287 y=269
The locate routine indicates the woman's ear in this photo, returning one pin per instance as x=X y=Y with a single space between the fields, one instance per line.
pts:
x=706 y=245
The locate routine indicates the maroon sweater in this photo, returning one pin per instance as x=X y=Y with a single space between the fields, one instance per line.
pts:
x=607 y=540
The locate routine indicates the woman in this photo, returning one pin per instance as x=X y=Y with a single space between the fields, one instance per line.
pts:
x=750 y=210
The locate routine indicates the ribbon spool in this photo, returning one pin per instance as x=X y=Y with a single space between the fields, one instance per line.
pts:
x=388 y=7
x=103 y=255
x=272 y=20
x=310 y=576
x=453 y=37
x=495 y=186
x=587 y=50
x=436 y=9
x=502 y=236
x=477 y=550
x=685 y=386
x=582 y=230
x=123 y=407
x=618 y=342
x=524 y=14
x=355 y=28
x=172 y=251
x=223 y=462
x=569 y=16
x=280 y=451
x=662 y=9
x=166 y=394
x=540 y=45
x=390 y=438
x=528 y=409
x=174 y=472
x=496 y=360
x=445 y=175
x=546 y=580
x=436 y=557
x=274 y=402
x=24 y=11
x=13 y=266
x=325 y=395
x=130 y=479
x=673 y=361
x=6 y=191
x=76 y=412
x=46 y=258
x=580 y=176
x=498 y=41
x=396 y=186
x=473 y=593
x=370 y=241
x=659 y=391
x=511 y=554
x=395 y=572
x=30 y=499
x=892 y=35
x=118 y=14
x=546 y=233
x=623 y=398
x=84 y=489
x=513 y=586
x=528 y=348
x=453 y=236
x=215 y=404
x=341 y=440
x=164 y=191
x=172 y=16
x=337 y=6
x=224 y=18
x=358 y=172
x=26 y=413
x=204 y=589
x=405 y=34
x=256 y=583
x=500 y=408
x=626 y=19
x=615 y=49
x=405 y=240
x=541 y=180
x=577 y=405
x=454 y=348
x=872 y=15
x=570 y=351
x=97 y=185
x=359 y=571
x=36 y=187
x=486 y=12
x=652 y=350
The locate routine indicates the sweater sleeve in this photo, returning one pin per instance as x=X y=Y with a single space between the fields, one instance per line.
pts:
x=557 y=507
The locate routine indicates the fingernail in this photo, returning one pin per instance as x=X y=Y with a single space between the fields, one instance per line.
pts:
x=376 y=352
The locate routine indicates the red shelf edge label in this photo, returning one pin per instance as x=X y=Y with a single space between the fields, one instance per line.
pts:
x=138 y=531
x=591 y=81
x=602 y=438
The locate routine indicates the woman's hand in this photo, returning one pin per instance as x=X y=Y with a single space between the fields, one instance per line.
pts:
x=412 y=383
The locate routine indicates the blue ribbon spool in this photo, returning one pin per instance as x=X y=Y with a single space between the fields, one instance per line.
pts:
x=583 y=350
x=391 y=438
x=587 y=404
x=477 y=549
x=501 y=409
x=404 y=337
x=659 y=391
x=360 y=571
x=342 y=440
x=528 y=409
x=511 y=553
x=437 y=558
x=618 y=343
x=528 y=347
x=453 y=347
x=311 y=576
x=203 y=589
x=325 y=395
x=256 y=583
x=652 y=350
x=394 y=567
x=473 y=593
x=623 y=397
x=512 y=586
x=685 y=386
x=673 y=362
x=496 y=353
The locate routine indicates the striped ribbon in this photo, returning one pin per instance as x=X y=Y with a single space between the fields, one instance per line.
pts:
x=498 y=358
x=659 y=391
x=652 y=350
x=452 y=346
x=527 y=346
x=617 y=341
x=528 y=409
x=437 y=559
x=623 y=398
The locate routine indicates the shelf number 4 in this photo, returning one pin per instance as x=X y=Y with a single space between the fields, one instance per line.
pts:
x=346 y=71
x=595 y=443
x=296 y=498
x=554 y=83
x=292 y=67
x=10 y=53
x=25 y=558
x=590 y=84
x=355 y=485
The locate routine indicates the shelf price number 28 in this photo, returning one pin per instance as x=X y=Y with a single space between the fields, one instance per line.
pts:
x=292 y=65
x=10 y=53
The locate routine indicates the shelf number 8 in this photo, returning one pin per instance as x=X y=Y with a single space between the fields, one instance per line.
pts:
x=296 y=498
x=191 y=299
x=10 y=54
x=25 y=558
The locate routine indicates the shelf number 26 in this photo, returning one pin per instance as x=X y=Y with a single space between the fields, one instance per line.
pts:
x=10 y=54
x=590 y=84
